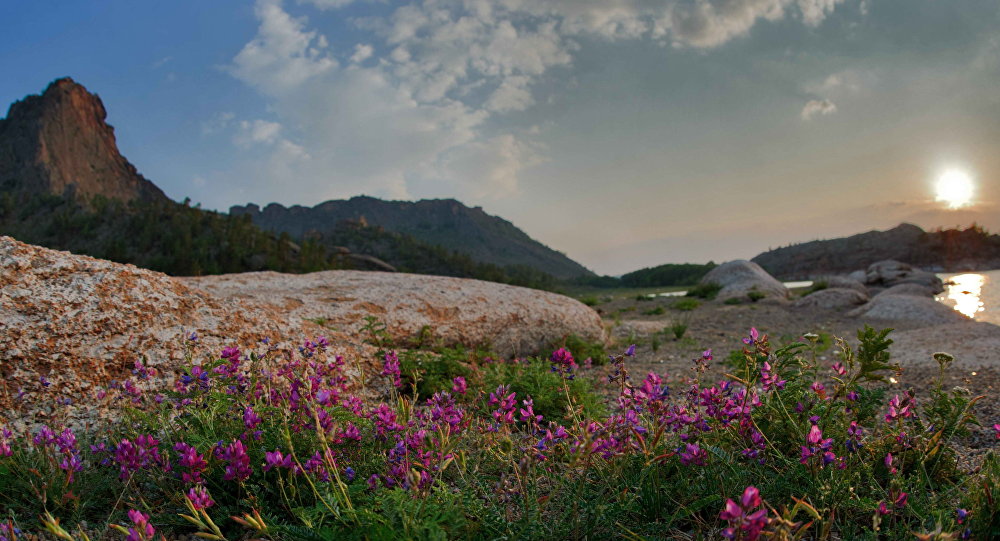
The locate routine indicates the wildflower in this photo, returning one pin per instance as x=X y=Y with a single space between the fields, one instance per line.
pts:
x=888 y=464
x=563 y=362
x=854 y=434
x=45 y=382
x=250 y=419
x=5 y=439
x=819 y=389
x=238 y=467
x=882 y=509
x=390 y=367
x=960 y=515
x=900 y=499
x=141 y=530
x=276 y=459
x=838 y=368
x=199 y=498
x=630 y=351
x=528 y=413
x=852 y=396
x=752 y=339
x=458 y=385
x=741 y=518
x=192 y=336
x=192 y=461
x=373 y=482
x=996 y=428
x=693 y=454
x=769 y=380
x=349 y=474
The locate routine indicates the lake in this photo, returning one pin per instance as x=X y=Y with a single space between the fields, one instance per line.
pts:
x=975 y=294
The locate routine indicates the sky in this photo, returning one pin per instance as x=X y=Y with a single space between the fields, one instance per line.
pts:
x=624 y=133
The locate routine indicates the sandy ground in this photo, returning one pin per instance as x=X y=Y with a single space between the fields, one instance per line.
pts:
x=976 y=346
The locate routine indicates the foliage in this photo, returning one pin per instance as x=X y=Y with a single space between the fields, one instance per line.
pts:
x=686 y=304
x=657 y=311
x=271 y=444
x=705 y=291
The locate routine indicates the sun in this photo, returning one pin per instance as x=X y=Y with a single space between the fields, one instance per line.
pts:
x=955 y=188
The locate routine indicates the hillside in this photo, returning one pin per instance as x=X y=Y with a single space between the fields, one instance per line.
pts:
x=939 y=251
x=443 y=222
x=65 y=185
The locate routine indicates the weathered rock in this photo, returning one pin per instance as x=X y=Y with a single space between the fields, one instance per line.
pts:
x=512 y=320
x=738 y=278
x=889 y=273
x=908 y=309
x=832 y=299
x=82 y=322
x=58 y=142
x=916 y=290
x=844 y=282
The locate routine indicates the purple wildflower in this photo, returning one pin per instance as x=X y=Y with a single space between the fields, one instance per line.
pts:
x=741 y=518
x=458 y=385
x=199 y=498
x=390 y=367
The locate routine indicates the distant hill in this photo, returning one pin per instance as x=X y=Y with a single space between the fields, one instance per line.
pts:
x=442 y=222
x=939 y=251
x=65 y=185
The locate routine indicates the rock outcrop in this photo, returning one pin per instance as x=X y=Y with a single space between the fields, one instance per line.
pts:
x=834 y=298
x=59 y=143
x=511 y=320
x=891 y=273
x=916 y=290
x=908 y=309
x=740 y=277
x=81 y=322
x=948 y=250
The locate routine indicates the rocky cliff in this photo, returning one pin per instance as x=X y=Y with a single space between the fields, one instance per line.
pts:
x=59 y=143
x=943 y=250
x=443 y=222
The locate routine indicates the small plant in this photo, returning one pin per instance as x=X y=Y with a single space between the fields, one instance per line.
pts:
x=755 y=295
x=818 y=285
x=732 y=300
x=686 y=304
x=706 y=291
x=659 y=310
x=590 y=301
x=643 y=298
x=678 y=328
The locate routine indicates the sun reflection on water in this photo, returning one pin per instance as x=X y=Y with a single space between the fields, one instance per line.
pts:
x=965 y=291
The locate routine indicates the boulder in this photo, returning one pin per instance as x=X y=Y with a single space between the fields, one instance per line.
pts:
x=889 y=273
x=832 y=299
x=843 y=282
x=738 y=278
x=81 y=322
x=909 y=310
x=916 y=290
x=511 y=320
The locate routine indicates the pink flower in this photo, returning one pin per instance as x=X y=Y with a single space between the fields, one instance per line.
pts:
x=390 y=367
x=200 y=498
x=741 y=517
x=143 y=530
x=996 y=428
x=458 y=385
x=838 y=367
x=888 y=464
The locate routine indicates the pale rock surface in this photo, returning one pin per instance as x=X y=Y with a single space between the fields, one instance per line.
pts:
x=916 y=290
x=832 y=299
x=844 y=282
x=908 y=309
x=82 y=322
x=740 y=277
x=889 y=273
x=512 y=320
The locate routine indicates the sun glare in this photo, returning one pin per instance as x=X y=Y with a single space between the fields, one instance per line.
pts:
x=954 y=187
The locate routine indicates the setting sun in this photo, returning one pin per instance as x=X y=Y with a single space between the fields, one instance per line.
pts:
x=955 y=188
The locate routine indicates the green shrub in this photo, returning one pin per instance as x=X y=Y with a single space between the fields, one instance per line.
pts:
x=732 y=301
x=659 y=310
x=590 y=301
x=678 y=328
x=705 y=291
x=686 y=304
x=534 y=378
x=755 y=296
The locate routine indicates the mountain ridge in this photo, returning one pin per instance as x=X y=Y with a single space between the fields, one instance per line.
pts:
x=448 y=223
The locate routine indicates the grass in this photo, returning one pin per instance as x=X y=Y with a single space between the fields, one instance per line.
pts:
x=454 y=443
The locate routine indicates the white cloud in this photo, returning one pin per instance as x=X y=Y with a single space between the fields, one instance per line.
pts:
x=418 y=115
x=217 y=123
x=257 y=131
x=283 y=55
x=362 y=52
x=818 y=107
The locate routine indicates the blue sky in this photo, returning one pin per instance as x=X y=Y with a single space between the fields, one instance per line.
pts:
x=625 y=133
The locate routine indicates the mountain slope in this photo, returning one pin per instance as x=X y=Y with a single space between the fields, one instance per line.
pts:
x=941 y=250
x=443 y=222
x=58 y=143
